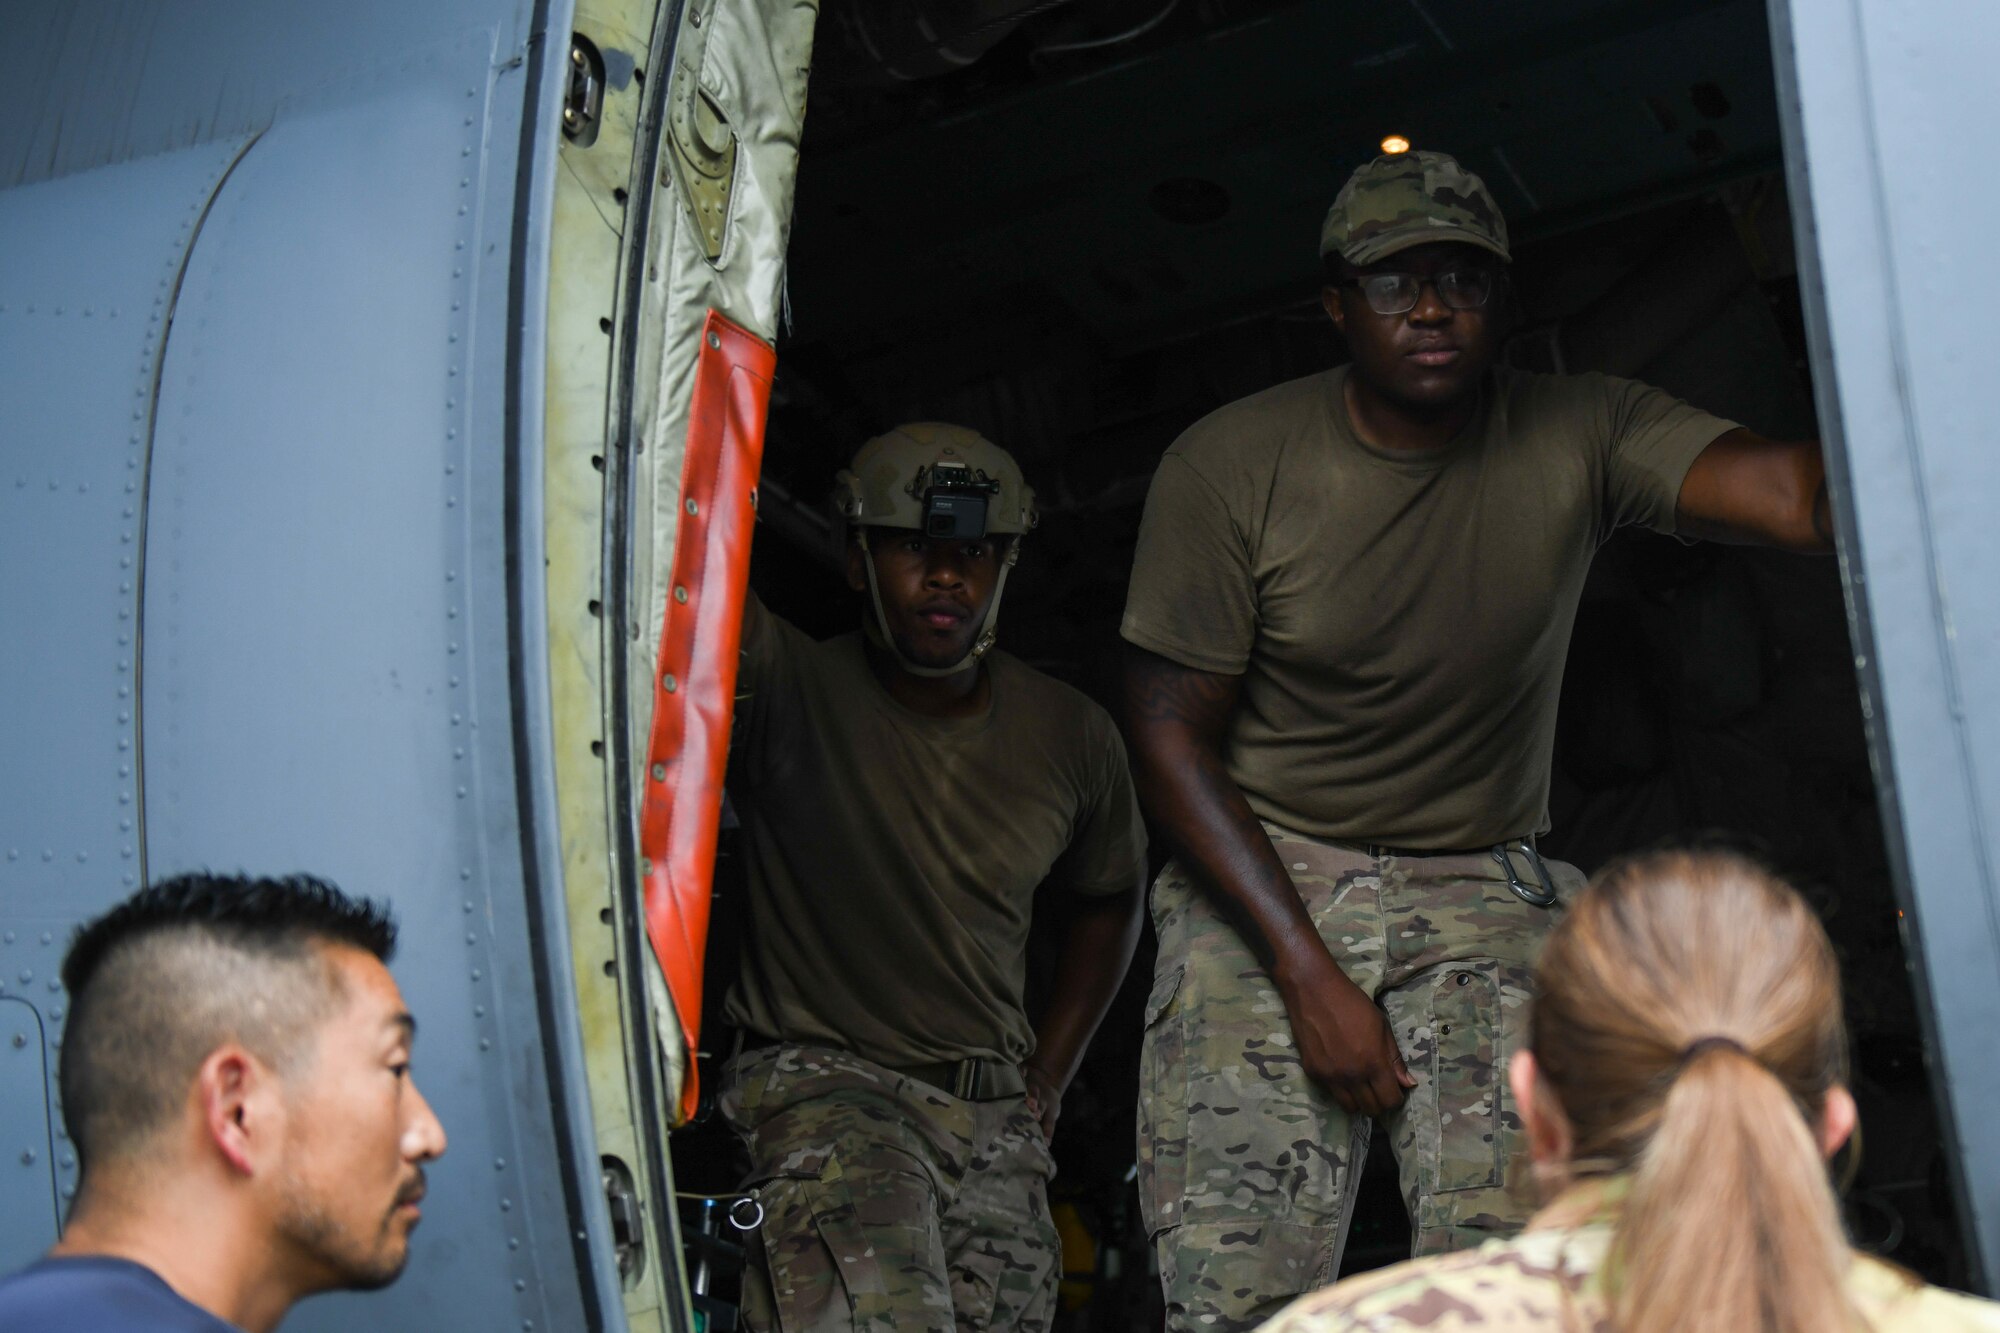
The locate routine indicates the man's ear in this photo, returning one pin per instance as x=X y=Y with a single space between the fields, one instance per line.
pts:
x=1549 y=1136
x=241 y=1110
x=1329 y=297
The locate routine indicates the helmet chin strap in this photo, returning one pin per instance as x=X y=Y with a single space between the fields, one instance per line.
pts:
x=877 y=630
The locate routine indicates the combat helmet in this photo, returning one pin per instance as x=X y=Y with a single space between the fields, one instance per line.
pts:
x=943 y=481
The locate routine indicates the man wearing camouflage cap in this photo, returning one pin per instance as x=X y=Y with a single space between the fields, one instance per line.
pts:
x=1349 y=611
x=903 y=792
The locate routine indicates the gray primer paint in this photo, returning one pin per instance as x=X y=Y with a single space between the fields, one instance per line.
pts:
x=268 y=570
x=84 y=302
x=1890 y=109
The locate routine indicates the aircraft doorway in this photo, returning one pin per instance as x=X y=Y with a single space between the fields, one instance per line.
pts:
x=1080 y=228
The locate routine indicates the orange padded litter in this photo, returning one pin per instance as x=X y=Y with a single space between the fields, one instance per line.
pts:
x=694 y=686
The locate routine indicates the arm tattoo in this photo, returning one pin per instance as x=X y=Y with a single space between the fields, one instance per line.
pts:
x=1160 y=690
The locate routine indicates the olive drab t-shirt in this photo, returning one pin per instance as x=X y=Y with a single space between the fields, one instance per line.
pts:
x=893 y=858
x=1399 y=620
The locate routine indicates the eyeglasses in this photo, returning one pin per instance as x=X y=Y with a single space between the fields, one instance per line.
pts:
x=1397 y=293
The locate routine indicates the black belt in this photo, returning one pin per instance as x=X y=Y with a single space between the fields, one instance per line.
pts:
x=1378 y=850
x=1542 y=894
x=971 y=1079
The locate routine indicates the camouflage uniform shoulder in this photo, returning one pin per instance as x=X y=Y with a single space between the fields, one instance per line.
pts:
x=1531 y=1283
x=1895 y=1301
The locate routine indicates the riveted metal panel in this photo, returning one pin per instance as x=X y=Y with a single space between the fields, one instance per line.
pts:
x=1888 y=105
x=328 y=631
x=85 y=83
x=85 y=296
x=345 y=622
x=27 y=1147
x=599 y=188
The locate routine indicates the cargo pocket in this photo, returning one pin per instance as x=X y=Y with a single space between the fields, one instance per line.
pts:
x=1163 y=1106
x=821 y=1269
x=1465 y=1027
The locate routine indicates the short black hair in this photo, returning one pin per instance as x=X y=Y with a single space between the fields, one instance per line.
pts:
x=280 y=913
x=160 y=980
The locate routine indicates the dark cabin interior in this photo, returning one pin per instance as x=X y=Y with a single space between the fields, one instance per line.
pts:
x=1078 y=227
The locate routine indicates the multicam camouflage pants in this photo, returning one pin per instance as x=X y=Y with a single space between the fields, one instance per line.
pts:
x=889 y=1204
x=1247 y=1168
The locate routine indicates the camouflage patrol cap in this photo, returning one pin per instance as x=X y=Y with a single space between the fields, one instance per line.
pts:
x=1405 y=199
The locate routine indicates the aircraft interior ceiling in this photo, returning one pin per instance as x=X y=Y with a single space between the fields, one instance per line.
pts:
x=1082 y=229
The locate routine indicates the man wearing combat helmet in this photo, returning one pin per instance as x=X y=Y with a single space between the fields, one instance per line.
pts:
x=903 y=791
x=1346 y=628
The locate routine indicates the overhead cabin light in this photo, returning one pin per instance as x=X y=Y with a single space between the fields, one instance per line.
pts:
x=1394 y=144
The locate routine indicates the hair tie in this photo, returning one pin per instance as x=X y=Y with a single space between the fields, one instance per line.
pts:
x=1702 y=1044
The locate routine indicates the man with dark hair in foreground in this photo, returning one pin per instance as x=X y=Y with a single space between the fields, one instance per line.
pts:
x=236 y=1079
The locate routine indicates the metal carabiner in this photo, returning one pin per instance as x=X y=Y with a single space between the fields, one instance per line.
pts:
x=1542 y=897
x=748 y=1220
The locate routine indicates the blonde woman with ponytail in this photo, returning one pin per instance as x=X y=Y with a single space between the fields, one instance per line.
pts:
x=1682 y=1090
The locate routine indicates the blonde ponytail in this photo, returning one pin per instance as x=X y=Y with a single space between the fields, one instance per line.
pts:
x=1730 y=1223
x=1689 y=1024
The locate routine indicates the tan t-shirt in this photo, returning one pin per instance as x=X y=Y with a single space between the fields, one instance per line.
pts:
x=893 y=858
x=1400 y=621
